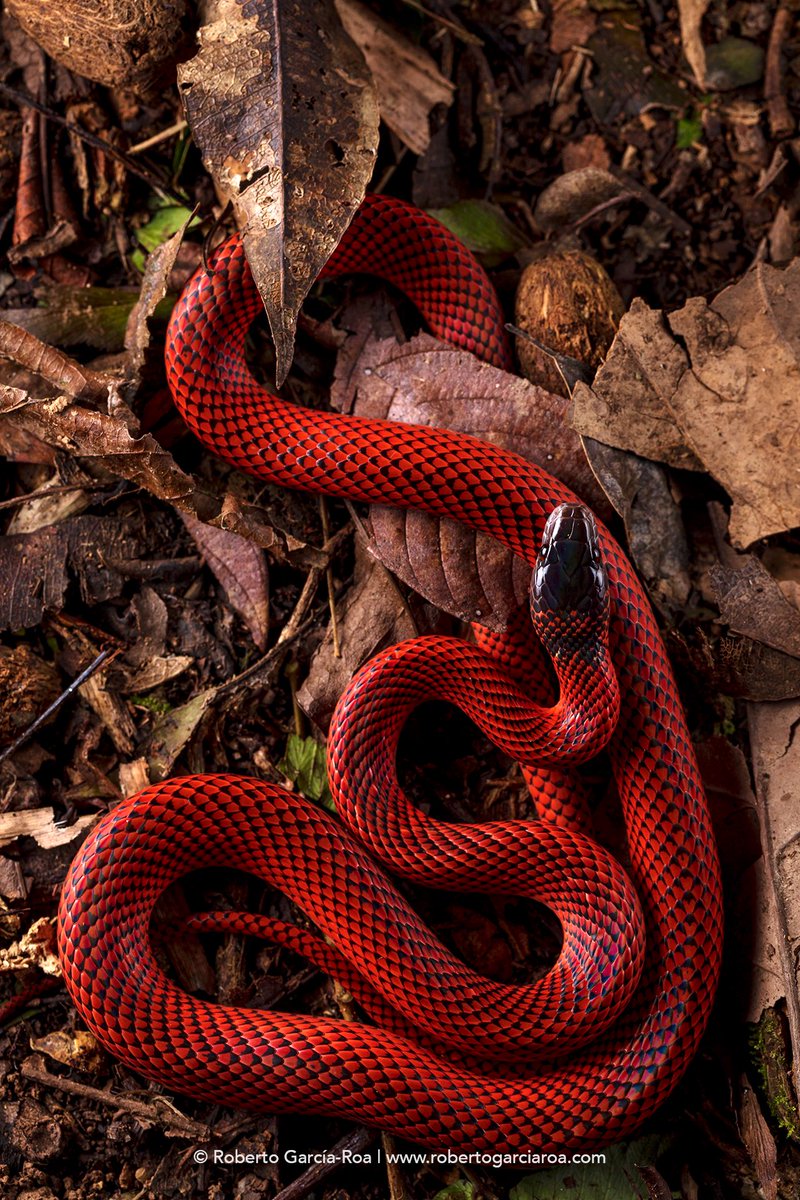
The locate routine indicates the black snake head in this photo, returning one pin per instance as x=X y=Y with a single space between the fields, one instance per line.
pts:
x=569 y=575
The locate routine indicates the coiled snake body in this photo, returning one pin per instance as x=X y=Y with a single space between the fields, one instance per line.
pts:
x=631 y=992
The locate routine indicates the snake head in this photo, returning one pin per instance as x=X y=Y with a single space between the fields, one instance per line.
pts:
x=569 y=585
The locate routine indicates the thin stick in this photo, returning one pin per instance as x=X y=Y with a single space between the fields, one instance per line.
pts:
x=291 y=630
x=323 y=512
x=159 y=1111
x=157 y=138
x=56 y=705
x=355 y=1142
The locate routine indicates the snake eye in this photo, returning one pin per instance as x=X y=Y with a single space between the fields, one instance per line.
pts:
x=569 y=575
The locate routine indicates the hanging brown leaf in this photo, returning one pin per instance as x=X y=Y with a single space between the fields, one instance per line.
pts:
x=426 y=382
x=241 y=568
x=282 y=106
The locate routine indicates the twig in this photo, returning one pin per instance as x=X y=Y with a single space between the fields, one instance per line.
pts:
x=56 y=705
x=781 y=121
x=57 y=489
x=354 y=1143
x=326 y=532
x=98 y=143
x=291 y=630
x=159 y=1111
x=163 y=136
x=455 y=27
x=658 y=206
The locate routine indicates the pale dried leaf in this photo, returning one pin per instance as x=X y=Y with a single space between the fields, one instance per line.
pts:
x=241 y=568
x=283 y=109
x=158 y=671
x=776 y=765
x=691 y=13
x=738 y=404
x=717 y=391
x=628 y=405
x=407 y=80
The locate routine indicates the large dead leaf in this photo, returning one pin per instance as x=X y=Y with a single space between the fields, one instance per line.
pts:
x=282 y=107
x=713 y=385
x=427 y=382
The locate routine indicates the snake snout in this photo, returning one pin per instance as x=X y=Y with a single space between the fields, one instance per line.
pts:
x=569 y=575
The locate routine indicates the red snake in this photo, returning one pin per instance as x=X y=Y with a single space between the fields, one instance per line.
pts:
x=629 y=1001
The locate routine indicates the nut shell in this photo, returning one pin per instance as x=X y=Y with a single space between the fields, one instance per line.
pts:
x=121 y=43
x=568 y=302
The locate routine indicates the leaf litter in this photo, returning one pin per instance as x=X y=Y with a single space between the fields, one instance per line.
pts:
x=107 y=529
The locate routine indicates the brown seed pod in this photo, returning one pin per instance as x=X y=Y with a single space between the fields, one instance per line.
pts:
x=121 y=43
x=569 y=304
x=28 y=686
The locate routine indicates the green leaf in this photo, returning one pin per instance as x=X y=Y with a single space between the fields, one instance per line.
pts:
x=482 y=227
x=305 y=764
x=166 y=220
x=462 y=1190
x=689 y=131
x=615 y=1179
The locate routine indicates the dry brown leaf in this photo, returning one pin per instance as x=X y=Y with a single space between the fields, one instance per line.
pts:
x=373 y=614
x=752 y=603
x=640 y=493
x=78 y=1048
x=427 y=382
x=738 y=404
x=717 y=391
x=407 y=80
x=627 y=406
x=241 y=568
x=283 y=109
x=102 y=439
x=173 y=731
